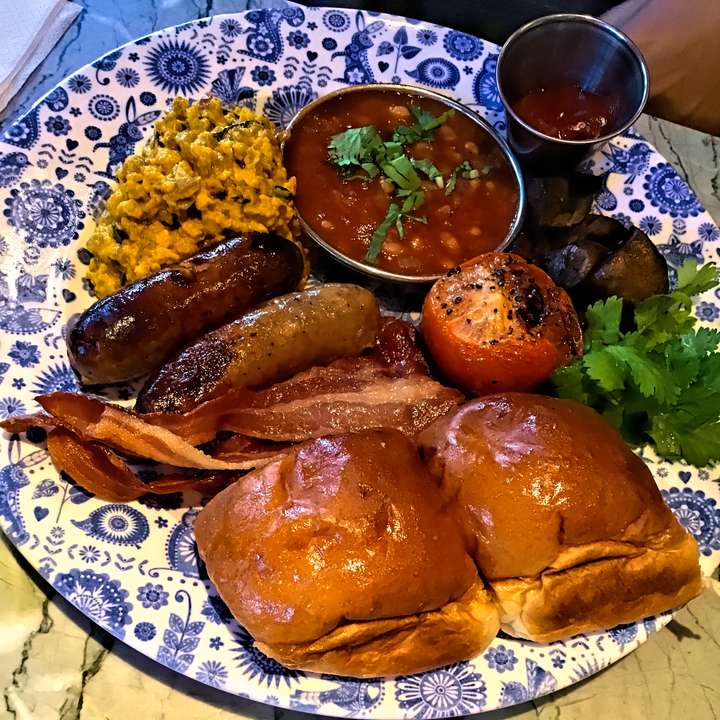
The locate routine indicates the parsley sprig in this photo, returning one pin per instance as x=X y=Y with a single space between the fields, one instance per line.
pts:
x=361 y=152
x=660 y=380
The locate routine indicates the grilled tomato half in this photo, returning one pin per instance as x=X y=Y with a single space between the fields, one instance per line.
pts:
x=497 y=323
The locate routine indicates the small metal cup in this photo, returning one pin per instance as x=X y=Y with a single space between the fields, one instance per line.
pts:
x=569 y=49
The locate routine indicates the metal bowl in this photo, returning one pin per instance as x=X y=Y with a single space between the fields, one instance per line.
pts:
x=370 y=270
x=575 y=50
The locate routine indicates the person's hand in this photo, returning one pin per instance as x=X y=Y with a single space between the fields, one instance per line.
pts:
x=680 y=40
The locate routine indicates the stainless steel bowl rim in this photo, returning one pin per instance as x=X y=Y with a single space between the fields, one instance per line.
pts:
x=589 y=20
x=455 y=105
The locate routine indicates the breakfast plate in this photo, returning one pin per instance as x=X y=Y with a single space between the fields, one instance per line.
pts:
x=133 y=568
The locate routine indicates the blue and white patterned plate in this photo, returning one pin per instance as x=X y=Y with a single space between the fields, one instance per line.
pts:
x=133 y=568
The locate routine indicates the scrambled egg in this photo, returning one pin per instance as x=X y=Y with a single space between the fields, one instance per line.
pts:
x=207 y=174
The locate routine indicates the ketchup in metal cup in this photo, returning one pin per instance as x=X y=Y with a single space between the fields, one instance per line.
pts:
x=567 y=112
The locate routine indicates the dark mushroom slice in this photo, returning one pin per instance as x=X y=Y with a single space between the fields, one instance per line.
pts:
x=635 y=271
x=561 y=202
x=570 y=266
x=596 y=228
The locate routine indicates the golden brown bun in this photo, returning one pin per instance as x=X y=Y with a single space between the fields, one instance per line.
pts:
x=601 y=594
x=457 y=631
x=566 y=521
x=331 y=552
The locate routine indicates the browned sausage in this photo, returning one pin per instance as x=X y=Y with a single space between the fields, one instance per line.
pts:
x=138 y=328
x=270 y=343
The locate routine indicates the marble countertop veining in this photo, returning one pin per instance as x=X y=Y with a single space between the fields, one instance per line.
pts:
x=56 y=665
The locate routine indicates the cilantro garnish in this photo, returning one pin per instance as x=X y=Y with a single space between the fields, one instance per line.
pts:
x=401 y=171
x=356 y=146
x=362 y=153
x=392 y=217
x=395 y=216
x=660 y=380
x=428 y=168
x=464 y=170
x=422 y=129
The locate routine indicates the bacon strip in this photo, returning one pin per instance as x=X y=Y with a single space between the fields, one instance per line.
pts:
x=408 y=404
x=389 y=388
x=100 y=471
x=94 y=467
x=239 y=448
x=320 y=401
x=22 y=423
x=93 y=419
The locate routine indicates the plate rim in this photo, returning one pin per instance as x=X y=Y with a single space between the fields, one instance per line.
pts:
x=329 y=709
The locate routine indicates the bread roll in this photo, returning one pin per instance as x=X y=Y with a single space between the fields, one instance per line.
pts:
x=343 y=558
x=565 y=521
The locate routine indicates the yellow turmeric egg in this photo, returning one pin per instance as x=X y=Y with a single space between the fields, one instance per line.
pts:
x=207 y=174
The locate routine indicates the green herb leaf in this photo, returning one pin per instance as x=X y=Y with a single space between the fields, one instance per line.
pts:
x=396 y=214
x=401 y=171
x=427 y=167
x=699 y=445
x=605 y=369
x=371 y=169
x=648 y=372
x=413 y=201
x=463 y=170
x=381 y=231
x=603 y=319
x=451 y=182
x=422 y=129
x=426 y=121
x=570 y=383
x=355 y=146
x=392 y=150
x=660 y=381
x=692 y=280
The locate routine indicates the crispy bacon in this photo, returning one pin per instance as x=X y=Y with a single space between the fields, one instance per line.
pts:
x=100 y=471
x=91 y=418
x=94 y=467
x=320 y=401
x=238 y=448
x=22 y=423
x=389 y=388
x=345 y=404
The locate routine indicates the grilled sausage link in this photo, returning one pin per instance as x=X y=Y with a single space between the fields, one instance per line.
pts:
x=270 y=343
x=138 y=328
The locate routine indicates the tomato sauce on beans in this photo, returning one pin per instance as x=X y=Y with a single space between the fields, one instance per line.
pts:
x=474 y=218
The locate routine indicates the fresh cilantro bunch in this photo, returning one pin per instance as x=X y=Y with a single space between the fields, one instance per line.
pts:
x=361 y=152
x=660 y=380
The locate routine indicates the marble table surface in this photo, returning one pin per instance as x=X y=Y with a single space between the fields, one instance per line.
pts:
x=55 y=665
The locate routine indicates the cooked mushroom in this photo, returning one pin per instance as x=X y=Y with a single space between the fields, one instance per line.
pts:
x=561 y=201
x=570 y=266
x=635 y=271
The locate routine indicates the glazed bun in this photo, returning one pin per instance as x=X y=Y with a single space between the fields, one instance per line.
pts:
x=564 y=520
x=343 y=558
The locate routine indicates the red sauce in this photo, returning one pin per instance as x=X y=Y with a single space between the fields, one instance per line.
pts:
x=567 y=112
x=473 y=219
